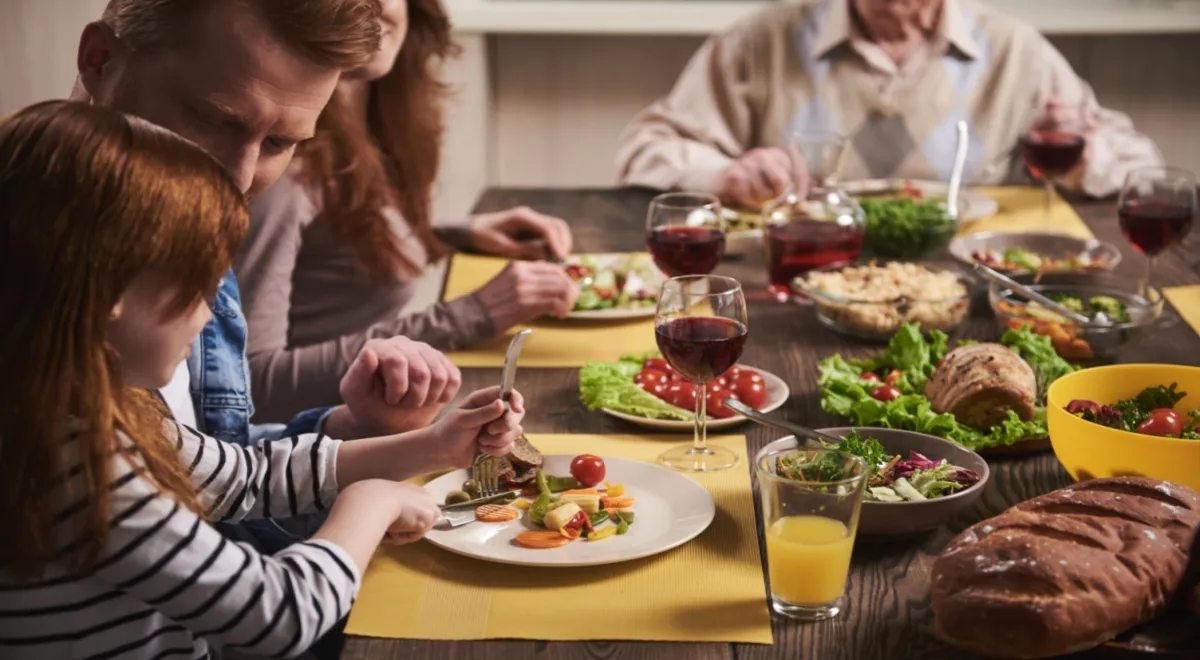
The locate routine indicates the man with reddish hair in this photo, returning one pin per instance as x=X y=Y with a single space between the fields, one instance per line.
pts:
x=246 y=80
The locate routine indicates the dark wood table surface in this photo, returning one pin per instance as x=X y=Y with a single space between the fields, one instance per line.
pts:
x=887 y=613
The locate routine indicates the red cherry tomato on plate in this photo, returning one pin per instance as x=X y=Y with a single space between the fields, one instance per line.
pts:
x=650 y=375
x=657 y=364
x=587 y=469
x=870 y=377
x=885 y=393
x=1166 y=422
x=680 y=394
x=750 y=392
x=732 y=374
x=715 y=404
x=893 y=377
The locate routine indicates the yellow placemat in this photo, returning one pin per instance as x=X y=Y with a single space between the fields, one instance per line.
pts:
x=1186 y=300
x=1022 y=208
x=708 y=590
x=567 y=343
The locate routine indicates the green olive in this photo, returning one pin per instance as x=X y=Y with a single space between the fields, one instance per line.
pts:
x=457 y=497
x=471 y=487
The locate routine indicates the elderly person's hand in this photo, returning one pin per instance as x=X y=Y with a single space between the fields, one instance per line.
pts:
x=759 y=176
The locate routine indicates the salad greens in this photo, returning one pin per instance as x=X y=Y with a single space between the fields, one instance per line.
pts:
x=1151 y=412
x=903 y=227
x=607 y=284
x=845 y=393
x=890 y=478
x=1112 y=308
x=610 y=385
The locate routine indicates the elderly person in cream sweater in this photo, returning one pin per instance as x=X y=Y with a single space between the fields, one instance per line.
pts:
x=893 y=76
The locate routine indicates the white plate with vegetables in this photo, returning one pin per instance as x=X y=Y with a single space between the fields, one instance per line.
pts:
x=614 y=286
x=654 y=510
x=644 y=390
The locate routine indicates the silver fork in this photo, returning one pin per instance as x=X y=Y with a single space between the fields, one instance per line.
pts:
x=486 y=473
x=486 y=469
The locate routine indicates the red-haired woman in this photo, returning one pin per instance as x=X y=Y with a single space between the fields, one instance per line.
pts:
x=336 y=245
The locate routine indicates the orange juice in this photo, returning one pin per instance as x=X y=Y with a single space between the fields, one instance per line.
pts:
x=808 y=558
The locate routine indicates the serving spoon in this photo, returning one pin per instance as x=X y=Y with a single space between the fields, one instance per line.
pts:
x=956 y=174
x=810 y=436
x=1070 y=314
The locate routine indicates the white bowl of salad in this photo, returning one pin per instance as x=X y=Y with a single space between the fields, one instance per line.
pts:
x=918 y=482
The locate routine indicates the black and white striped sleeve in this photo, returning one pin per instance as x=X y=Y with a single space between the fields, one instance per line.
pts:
x=279 y=479
x=166 y=556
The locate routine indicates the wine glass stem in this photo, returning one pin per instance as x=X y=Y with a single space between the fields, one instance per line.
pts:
x=1049 y=199
x=700 y=441
x=1149 y=275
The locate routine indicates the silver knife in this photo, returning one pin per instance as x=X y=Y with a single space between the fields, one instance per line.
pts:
x=508 y=378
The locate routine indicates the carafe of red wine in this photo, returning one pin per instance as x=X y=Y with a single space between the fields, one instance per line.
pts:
x=819 y=226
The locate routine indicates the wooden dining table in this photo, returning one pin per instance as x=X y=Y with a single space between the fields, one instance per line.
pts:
x=887 y=610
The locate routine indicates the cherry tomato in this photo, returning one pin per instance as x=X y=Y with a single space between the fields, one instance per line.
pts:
x=1165 y=411
x=748 y=374
x=870 y=377
x=651 y=376
x=715 y=404
x=658 y=364
x=749 y=392
x=656 y=389
x=681 y=394
x=885 y=393
x=893 y=377
x=1164 y=423
x=715 y=386
x=587 y=469
x=732 y=374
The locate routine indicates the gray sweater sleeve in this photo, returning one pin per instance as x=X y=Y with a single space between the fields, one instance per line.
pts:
x=286 y=378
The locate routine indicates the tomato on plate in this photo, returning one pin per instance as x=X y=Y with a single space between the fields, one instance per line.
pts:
x=658 y=364
x=680 y=394
x=651 y=380
x=588 y=469
x=715 y=404
x=1162 y=421
x=750 y=392
x=870 y=377
x=893 y=377
x=885 y=393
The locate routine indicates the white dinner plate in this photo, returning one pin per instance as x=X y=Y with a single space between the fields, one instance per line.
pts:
x=777 y=395
x=669 y=508
x=619 y=313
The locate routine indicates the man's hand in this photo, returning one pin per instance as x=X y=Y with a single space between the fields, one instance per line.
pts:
x=521 y=233
x=394 y=385
x=759 y=176
x=525 y=290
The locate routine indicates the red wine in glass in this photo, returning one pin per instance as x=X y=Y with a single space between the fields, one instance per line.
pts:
x=701 y=348
x=798 y=246
x=1152 y=227
x=1050 y=155
x=682 y=250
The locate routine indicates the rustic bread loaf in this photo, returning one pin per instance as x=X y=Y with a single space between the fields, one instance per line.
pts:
x=980 y=383
x=1066 y=571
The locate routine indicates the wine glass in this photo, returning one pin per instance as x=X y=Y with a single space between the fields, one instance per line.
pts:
x=685 y=233
x=701 y=327
x=1054 y=143
x=816 y=227
x=1156 y=208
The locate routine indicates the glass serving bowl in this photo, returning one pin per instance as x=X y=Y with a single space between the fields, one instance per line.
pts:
x=871 y=302
x=1074 y=342
x=886 y=237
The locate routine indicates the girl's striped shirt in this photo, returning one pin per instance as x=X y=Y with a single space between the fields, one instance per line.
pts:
x=168 y=584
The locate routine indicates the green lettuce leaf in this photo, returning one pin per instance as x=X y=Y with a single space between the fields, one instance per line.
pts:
x=610 y=385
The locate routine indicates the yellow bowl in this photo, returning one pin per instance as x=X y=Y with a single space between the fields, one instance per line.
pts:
x=1088 y=450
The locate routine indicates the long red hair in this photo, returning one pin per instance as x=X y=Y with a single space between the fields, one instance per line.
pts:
x=90 y=199
x=391 y=161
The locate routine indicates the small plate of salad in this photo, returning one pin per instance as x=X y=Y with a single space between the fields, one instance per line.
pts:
x=614 y=286
x=645 y=390
x=917 y=482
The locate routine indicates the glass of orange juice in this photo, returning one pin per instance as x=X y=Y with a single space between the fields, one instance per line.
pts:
x=810 y=503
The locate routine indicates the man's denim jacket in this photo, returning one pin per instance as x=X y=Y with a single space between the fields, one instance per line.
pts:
x=220 y=378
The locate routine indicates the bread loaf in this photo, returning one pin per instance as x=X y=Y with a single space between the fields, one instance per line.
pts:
x=980 y=383
x=1066 y=571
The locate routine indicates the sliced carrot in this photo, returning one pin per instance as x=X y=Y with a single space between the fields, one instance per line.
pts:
x=580 y=491
x=541 y=540
x=495 y=513
x=617 y=502
x=612 y=514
